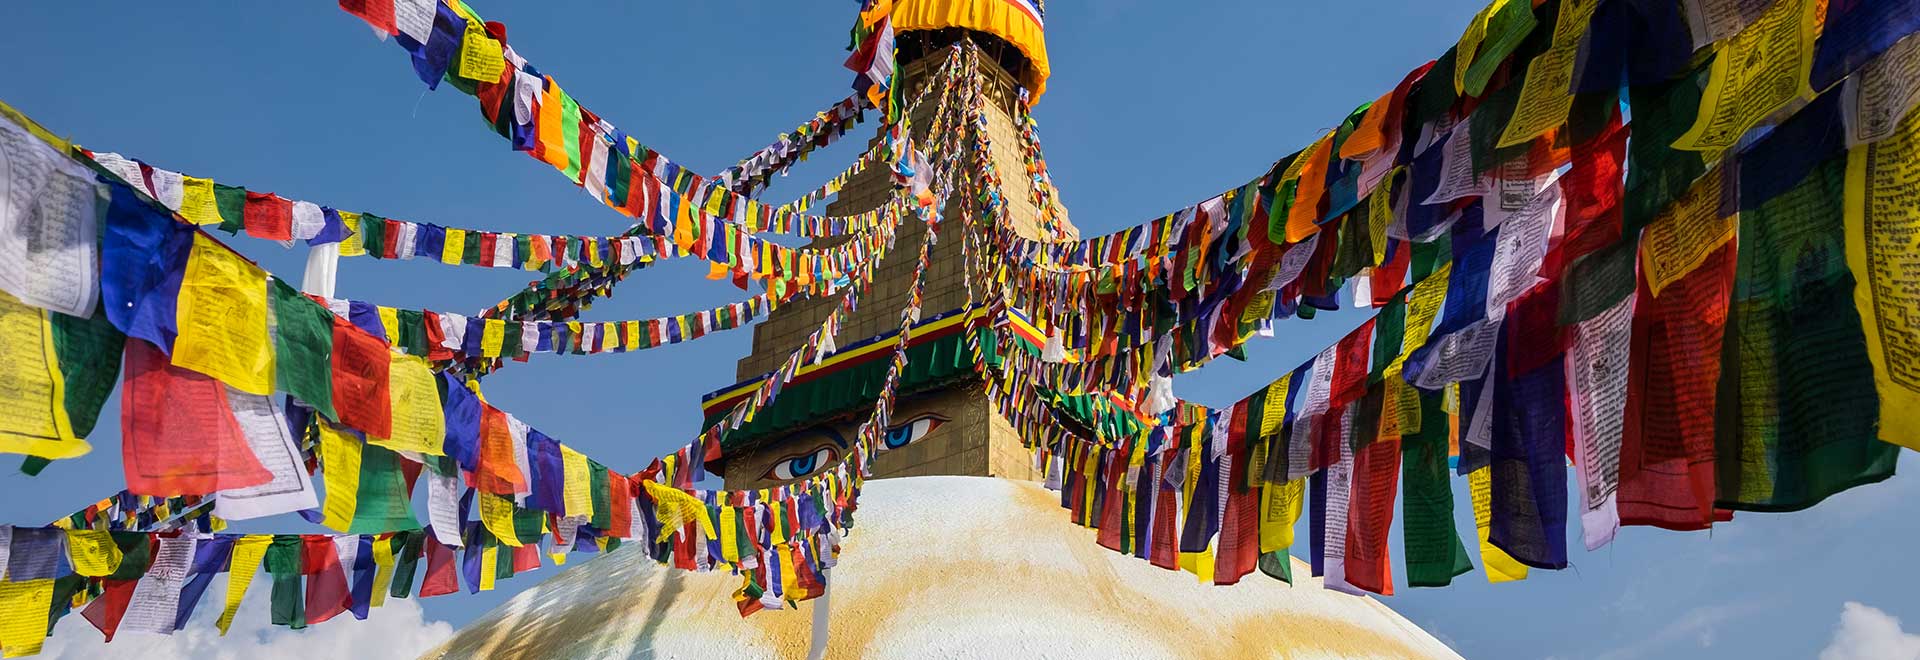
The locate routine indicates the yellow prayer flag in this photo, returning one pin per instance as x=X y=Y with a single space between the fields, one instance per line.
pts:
x=729 y=543
x=247 y=552
x=382 y=570
x=1501 y=567
x=92 y=552
x=419 y=424
x=36 y=422
x=1687 y=232
x=340 y=468
x=496 y=512
x=674 y=508
x=1469 y=44
x=579 y=483
x=489 y=565
x=1755 y=73
x=1279 y=510
x=481 y=58
x=1882 y=216
x=1274 y=414
x=197 y=203
x=390 y=322
x=354 y=245
x=23 y=616
x=492 y=333
x=454 y=247
x=222 y=315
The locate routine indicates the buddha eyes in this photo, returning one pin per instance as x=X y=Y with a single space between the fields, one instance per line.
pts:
x=802 y=466
x=812 y=462
x=913 y=431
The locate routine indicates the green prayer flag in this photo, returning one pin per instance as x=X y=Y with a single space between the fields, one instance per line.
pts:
x=1598 y=280
x=136 y=553
x=1389 y=329
x=1506 y=29
x=406 y=561
x=1657 y=173
x=413 y=332
x=373 y=235
x=1797 y=413
x=89 y=353
x=510 y=340
x=1277 y=565
x=503 y=567
x=231 y=201
x=470 y=250
x=570 y=133
x=1431 y=543
x=1433 y=96
x=282 y=561
x=602 y=496
x=528 y=523
x=1488 y=121
x=303 y=348
x=382 y=504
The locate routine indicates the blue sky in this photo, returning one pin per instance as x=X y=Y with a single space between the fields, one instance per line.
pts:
x=1154 y=105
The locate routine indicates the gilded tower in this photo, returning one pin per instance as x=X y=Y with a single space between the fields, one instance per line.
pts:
x=942 y=422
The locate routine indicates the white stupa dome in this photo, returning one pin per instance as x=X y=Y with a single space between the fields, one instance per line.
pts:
x=946 y=567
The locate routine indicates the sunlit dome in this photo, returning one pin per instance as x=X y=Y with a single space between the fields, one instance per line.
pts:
x=946 y=567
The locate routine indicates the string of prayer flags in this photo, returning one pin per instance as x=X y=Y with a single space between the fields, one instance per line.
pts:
x=551 y=126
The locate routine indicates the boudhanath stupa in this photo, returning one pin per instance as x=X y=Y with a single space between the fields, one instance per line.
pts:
x=961 y=553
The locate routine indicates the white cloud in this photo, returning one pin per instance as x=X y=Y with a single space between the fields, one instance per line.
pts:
x=1866 y=633
x=1697 y=626
x=395 y=630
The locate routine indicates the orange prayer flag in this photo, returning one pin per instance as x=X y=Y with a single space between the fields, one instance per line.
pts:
x=1303 y=219
x=1370 y=134
x=498 y=474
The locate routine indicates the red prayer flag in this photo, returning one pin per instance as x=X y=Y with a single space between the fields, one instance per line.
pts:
x=377 y=13
x=441 y=577
x=526 y=558
x=1239 y=552
x=1667 y=450
x=178 y=433
x=487 y=243
x=327 y=591
x=435 y=337
x=360 y=363
x=620 y=497
x=1350 y=366
x=1376 y=480
x=1593 y=188
x=106 y=611
x=268 y=216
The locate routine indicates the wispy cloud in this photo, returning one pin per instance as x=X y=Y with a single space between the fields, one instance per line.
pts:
x=396 y=630
x=1698 y=626
x=1866 y=633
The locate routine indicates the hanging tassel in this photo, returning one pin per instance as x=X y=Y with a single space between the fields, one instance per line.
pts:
x=826 y=348
x=1160 y=397
x=1055 y=350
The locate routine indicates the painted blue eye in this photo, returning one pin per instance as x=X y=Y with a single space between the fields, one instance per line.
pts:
x=797 y=467
x=913 y=431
